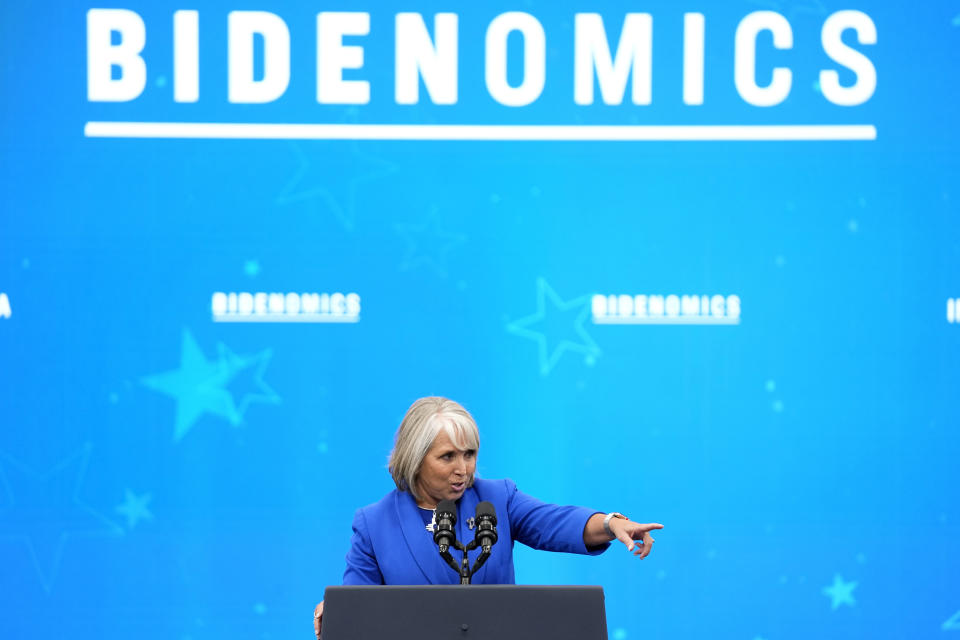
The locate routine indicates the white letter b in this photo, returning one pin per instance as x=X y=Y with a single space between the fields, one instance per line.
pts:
x=102 y=56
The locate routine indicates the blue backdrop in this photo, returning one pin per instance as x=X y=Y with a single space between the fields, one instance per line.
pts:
x=178 y=462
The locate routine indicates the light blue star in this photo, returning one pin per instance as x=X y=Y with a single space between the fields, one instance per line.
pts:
x=198 y=387
x=42 y=511
x=134 y=507
x=247 y=381
x=561 y=327
x=952 y=623
x=333 y=174
x=428 y=244
x=840 y=592
x=251 y=268
x=201 y=386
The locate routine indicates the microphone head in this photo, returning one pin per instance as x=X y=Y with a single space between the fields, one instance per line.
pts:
x=485 y=509
x=447 y=508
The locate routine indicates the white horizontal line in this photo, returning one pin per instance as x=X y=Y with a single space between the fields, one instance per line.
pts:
x=665 y=320
x=290 y=131
x=280 y=317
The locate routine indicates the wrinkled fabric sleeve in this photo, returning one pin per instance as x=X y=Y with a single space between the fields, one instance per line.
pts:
x=548 y=527
x=362 y=567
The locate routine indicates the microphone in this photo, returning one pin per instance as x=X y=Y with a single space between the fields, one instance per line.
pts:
x=486 y=520
x=446 y=517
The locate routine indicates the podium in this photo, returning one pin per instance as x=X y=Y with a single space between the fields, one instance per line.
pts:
x=464 y=612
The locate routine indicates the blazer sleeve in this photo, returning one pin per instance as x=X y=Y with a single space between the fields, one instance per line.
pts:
x=548 y=527
x=362 y=567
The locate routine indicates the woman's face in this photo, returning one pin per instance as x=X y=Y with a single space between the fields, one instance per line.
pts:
x=445 y=471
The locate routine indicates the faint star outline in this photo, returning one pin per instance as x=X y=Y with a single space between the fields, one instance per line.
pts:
x=258 y=362
x=547 y=358
x=100 y=524
x=414 y=235
x=294 y=191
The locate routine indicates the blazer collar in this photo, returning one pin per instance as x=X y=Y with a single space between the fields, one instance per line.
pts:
x=420 y=542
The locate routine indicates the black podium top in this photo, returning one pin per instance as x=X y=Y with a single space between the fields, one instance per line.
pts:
x=464 y=612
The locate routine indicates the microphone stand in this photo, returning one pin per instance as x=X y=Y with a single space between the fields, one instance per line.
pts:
x=488 y=537
x=484 y=554
x=464 y=570
x=445 y=554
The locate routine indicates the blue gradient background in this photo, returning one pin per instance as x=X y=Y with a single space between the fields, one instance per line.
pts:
x=815 y=441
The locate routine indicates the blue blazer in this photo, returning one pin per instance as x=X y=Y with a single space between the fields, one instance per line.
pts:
x=391 y=546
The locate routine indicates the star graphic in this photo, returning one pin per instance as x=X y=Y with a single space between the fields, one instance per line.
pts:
x=251 y=268
x=332 y=175
x=134 y=507
x=428 y=244
x=952 y=623
x=247 y=382
x=44 y=510
x=561 y=327
x=840 y=592
x=201 y=386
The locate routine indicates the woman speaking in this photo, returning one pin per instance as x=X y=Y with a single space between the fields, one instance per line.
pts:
x=434 y=458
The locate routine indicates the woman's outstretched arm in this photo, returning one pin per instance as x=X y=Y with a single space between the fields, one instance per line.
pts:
x=634 y=535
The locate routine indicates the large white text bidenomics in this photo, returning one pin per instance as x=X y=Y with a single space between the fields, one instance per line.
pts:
x=117 y=70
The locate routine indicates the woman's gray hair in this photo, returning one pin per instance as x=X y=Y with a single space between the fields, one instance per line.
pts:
x=424 y=420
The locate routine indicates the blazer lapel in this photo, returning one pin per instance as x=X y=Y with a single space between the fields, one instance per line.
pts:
x=420 y=542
